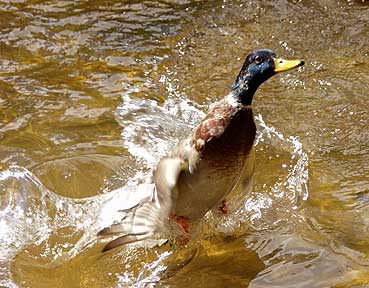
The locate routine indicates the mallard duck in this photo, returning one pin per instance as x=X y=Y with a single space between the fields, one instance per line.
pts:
x=217 y=158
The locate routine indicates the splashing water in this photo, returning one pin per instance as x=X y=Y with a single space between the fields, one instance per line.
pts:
x=31 y=215
x=288 y=192
x=60 y=228
x=150 y=131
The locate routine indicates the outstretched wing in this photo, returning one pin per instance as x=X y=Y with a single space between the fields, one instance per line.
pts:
x=147 y=217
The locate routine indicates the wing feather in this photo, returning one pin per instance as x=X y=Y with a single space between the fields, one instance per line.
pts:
x=146 y=218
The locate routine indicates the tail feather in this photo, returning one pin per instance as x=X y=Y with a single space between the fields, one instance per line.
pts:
x=123 y=240
x=150 y=214
x=112 y=230
x=140 y=222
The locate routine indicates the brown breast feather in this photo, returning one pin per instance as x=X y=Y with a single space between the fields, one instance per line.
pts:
x=214 y=123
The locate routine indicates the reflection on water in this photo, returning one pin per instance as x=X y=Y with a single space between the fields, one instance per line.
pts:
x=92 y=94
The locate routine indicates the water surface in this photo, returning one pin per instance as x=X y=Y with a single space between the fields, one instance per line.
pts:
x=93 y=93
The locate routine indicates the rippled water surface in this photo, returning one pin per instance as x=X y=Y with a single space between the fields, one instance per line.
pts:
x=93 y=93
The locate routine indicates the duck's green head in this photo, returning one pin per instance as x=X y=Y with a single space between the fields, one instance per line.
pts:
x=259 y=66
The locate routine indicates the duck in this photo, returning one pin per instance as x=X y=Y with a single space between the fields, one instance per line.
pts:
x=217 y=158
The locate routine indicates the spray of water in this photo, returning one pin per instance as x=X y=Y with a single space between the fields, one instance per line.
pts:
x=32 y=215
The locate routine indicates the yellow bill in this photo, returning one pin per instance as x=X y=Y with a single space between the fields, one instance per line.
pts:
x=281 y=65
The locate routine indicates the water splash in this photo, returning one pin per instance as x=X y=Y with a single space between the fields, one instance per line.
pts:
x=298 y=174
x=270 y=205
x=33 y=216
x=150 y=131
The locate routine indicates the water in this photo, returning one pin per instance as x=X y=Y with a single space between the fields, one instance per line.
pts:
x=92 y=94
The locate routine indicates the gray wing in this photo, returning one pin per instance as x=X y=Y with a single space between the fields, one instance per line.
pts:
x=147 y=217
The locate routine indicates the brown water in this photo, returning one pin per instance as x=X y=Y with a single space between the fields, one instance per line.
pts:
x=92 y=93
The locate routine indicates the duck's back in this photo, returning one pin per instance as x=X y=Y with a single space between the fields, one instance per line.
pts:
x=223 y=160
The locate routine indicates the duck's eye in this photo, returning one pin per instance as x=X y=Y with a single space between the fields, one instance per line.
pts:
x=258 y=60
